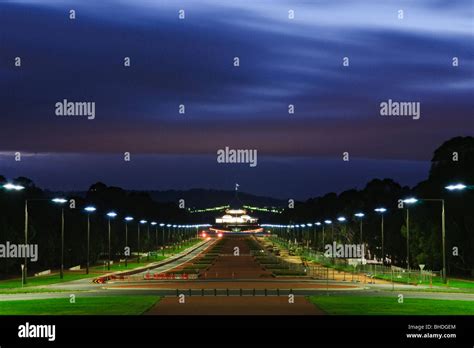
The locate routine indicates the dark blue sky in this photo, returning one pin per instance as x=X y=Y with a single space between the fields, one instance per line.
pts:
x=189 y=62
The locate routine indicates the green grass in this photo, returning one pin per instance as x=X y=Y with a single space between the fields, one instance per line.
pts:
x=113 y=305
x=131 y=264
x=182 y=247
x=43 y=280
x=436 y=281
x=32 y=290
x=365 y=305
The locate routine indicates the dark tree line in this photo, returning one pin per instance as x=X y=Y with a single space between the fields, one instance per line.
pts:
x=452 y=162
x=45 y=218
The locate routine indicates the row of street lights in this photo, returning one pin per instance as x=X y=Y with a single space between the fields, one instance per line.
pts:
x=382 y=211
x=110 y=215
x=127 y=219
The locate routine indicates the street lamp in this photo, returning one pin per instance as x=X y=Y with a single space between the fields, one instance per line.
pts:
x=408 y=201
x=110 y=216
x=360 y=216
x=452 y=187
x=168 y=239
x=456 y=187
x=327 y=222
x=153 y=223
x=316 y=224
x=382 y=211
x=89 y=210
x=138 y=242
x=13 y=187
x=61 y=201
x=127 y=220
x=162 y=225
x=341 y=219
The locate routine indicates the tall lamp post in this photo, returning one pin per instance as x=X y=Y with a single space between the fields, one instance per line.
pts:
x=453 y=187
x=153 y=223
x=168 y=238
x=307 y=235
x=141 y=222
x=327 y=222
x=408 y=201
x=127 y=220
x=162 y=225
x=381 y=211
x=110 y=216
x=443 y=222
x=341 y=220
x=61 y=201
x=88 y=210
x=317 y=223
x=13 y=187
x=360 y=216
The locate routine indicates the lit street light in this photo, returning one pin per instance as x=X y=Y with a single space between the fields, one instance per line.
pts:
x=13 y=187
x=127 y=220
x=110 y=216
x=382 y=211
x=89 y=210
x=456 y=187
x=153 y=223
x=61 y=201
x=341 y=219
x=138 y=241
x=327 y=222
x=360 y=216
x=408 y=201
x=162 y=225
x=316 y=224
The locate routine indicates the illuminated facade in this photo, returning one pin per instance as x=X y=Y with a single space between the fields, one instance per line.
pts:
x=236 y=220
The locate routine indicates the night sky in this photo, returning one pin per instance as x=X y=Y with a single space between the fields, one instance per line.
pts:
x=282 y=61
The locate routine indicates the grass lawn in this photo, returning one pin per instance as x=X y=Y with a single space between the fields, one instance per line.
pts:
x=113 y=305
x=365 y=305
x=467 y=285
x=31 y=290
x=182 y=247
x=43 y=280
x=115 y=267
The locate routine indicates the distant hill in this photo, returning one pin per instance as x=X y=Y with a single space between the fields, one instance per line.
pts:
x=204 y=198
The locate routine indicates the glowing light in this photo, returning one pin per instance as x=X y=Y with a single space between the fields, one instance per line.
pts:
x=410 y=200
x=13 y=187
x=457 y=187
x=59 y=200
